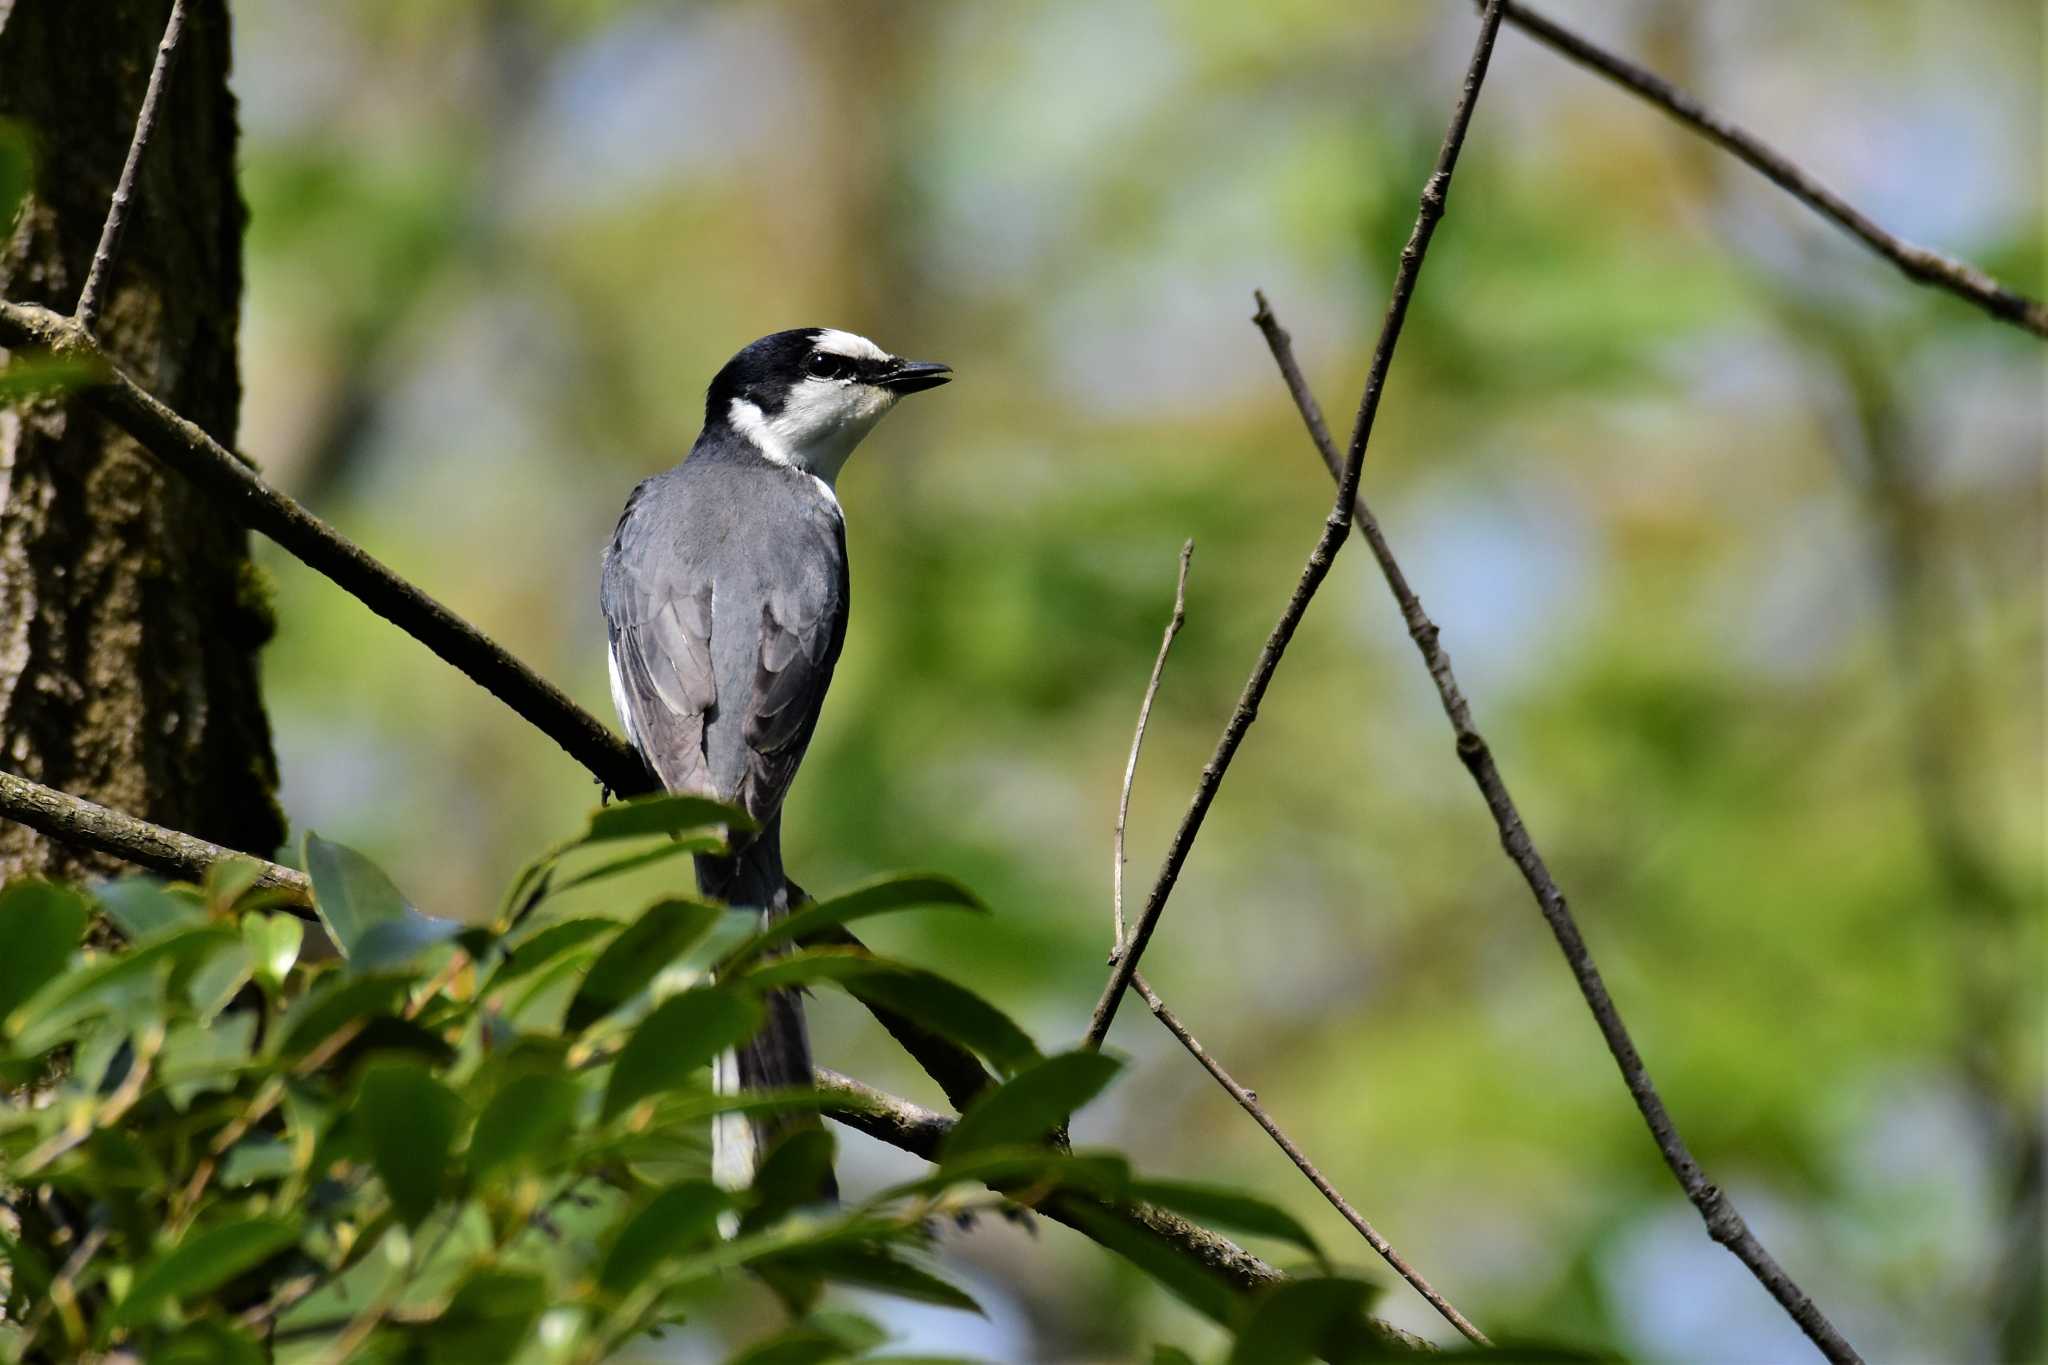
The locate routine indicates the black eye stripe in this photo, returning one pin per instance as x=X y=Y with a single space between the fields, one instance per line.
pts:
x=833 y=366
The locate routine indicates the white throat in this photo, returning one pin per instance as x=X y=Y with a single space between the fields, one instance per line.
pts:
x=820 y=423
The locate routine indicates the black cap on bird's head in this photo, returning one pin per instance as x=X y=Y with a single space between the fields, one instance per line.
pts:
x=806 y=397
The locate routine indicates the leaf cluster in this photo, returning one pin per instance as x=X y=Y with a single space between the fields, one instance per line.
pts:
x=487 y=1141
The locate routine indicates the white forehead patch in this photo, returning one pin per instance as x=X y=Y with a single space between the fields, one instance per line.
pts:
x=847 y=344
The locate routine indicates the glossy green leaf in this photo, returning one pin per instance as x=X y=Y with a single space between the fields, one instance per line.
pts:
x=526 y=1121
x=645 y=816
x=351 y=894
x=634 y=862
x=398 y=942
x=409 y=1121
x=1231 y=1208
x=540 y=949
x=1101 y=1175
x=218 y=978
x=41 y=924
x=203 y=1261
x=910 y=892
x=1299 y=1319
x=680 y=1035
x=1029 y=1106
x=942 y=1006
x=143 y=907
x=255 y=1159
x=273 y=942
x=1171 y=1355
x=662 y=933
x=681 y=1218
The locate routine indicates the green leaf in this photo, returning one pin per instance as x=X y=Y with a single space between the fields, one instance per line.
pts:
x=681 y=1218
x=1101 y=1175
x=143 y=907
x=1025 y=1109
x=665 y=930
x=488 y=1319
x=198 y=1058
x=1301 y=1319
x=909 y=892
x=337 y=1000
x=942 y=1006
x=350 y=893
x=633 y=862
x=529 y=1117
x=273 y=942
x=113 y=982
x=1171 y=1355
x=396 y=943
x=375 y=927
x=41 y=925
x=204 y=1260
x=871 y=1267
x=255 y=1159
x=671 y=814
x=409 y=1121
x=33 y=376
x=542 y=948
x=1231 y=1208
x=1189 y=1280
x=216 y=980
x=229 y=879
x=208 y=1343
x=797 y=1171
x=682 y=1033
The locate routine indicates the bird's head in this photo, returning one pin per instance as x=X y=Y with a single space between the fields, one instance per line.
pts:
x=806 y=397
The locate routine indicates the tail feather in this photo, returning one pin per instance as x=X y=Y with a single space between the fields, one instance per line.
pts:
x=779 y=1055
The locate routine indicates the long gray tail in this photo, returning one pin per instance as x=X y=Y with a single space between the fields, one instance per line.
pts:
x=780 y=1054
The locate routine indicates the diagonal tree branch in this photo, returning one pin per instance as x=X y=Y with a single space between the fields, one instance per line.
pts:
x=1918 y=263
x=1336 y=527
x=1246 y=1100
x=1724 y=1224
x=183 y=446
x=88 y=311
x=920 y=1131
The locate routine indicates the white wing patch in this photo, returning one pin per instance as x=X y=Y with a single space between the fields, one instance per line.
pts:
x=611 y=660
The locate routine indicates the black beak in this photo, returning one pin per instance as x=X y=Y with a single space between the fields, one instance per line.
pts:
x=914 y=376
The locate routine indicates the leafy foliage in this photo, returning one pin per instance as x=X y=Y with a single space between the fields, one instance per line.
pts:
x=461 y=1143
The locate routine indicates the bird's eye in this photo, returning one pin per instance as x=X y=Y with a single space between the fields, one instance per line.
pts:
x=823 y=365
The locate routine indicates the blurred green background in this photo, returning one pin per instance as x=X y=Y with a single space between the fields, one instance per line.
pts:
x=1735 y=537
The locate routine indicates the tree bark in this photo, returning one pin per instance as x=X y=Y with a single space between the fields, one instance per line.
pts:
x=130 y=614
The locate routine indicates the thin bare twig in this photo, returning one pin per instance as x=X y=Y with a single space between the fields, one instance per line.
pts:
x=88 y=311
x=1249 y=1102
x=1724 y=1224
x=184 y=447
x=1918 y=263
x=1123 y=804
x=921 y=1132
x=1336 y=527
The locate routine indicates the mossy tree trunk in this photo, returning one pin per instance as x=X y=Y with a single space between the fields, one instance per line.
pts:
x=130 y=615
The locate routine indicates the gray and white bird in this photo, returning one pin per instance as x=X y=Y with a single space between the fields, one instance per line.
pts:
x=725 y=600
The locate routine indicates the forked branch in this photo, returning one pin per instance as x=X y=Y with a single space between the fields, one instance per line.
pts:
x=1335 y=529
x=1724 y=1224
